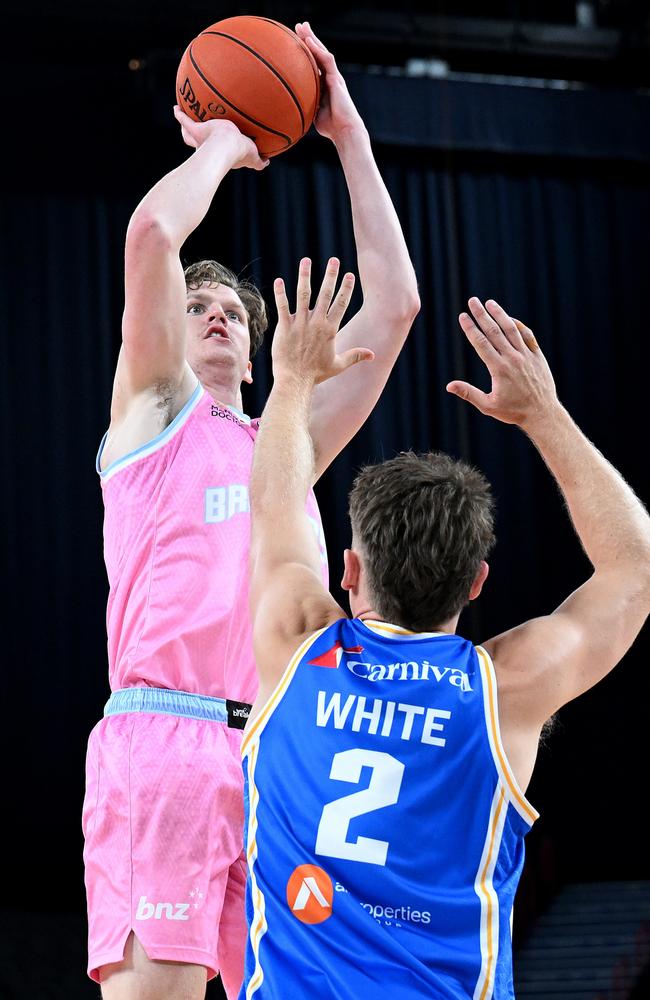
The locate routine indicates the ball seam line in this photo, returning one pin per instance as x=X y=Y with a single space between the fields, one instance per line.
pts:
x=231 y=38
x=234 y=107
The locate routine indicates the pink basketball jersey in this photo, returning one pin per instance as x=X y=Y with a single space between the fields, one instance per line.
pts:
x=176 y=542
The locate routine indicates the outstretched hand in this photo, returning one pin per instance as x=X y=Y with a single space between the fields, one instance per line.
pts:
x=522 y=389
x=244 y=151
x=337 y=111
x=304 y=342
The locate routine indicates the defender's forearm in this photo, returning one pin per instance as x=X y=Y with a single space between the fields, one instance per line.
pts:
x=610 y=520
x=283 y=463
x=385 y=268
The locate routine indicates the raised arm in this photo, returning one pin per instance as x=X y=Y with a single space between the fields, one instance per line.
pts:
x=288 y=599
x=388 y=283
x=153 y=329
x=546 y=662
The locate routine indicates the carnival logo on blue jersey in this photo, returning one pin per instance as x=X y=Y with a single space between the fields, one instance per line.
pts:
x=309 y=894
x=332 y=657
x=409 y=671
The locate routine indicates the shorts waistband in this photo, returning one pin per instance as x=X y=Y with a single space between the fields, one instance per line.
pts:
x=163 y=701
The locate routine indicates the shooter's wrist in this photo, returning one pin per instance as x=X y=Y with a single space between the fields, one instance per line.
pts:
x=351 y=137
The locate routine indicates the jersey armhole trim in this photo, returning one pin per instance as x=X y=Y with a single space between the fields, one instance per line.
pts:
x=513 y=792
x=252 y=735
x=150 y=446
x=258 y=925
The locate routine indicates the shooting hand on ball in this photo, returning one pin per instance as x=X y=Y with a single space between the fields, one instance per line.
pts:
x=337 y=112
x=226 y=133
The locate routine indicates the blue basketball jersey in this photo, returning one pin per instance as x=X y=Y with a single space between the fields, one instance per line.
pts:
x=384 y=827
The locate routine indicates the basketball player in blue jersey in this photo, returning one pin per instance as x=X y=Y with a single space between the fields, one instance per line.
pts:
x=387 y=758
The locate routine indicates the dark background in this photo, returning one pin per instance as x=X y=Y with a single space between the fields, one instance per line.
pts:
x=515 y=145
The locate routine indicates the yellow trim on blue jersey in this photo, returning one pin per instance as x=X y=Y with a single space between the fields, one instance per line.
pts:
x=250 y=750
x=258 y=925
x=484 y=889
x=386 y=628
x=515 y=794
x=260 y=721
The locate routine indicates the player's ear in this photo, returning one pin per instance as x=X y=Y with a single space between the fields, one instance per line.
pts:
x=351 y=570
x=479 y=580
x=248 y=374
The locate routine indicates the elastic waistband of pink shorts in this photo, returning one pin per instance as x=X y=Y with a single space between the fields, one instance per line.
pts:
x=163 y=701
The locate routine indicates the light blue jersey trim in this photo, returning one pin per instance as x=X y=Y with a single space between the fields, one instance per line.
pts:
x=245 y=419
x=165 y=702
x=155 y=443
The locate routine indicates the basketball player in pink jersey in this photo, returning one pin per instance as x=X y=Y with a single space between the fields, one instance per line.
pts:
x=163 y=814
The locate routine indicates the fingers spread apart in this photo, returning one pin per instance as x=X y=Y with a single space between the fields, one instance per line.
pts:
x=281 y=300
x=303 y=292
x=330 y=306
x=327 y=287
x=340 y=304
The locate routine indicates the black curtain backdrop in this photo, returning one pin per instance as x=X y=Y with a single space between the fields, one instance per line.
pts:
x=538 y=197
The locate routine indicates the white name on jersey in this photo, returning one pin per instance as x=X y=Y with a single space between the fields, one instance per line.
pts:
x=223 y=502
x=381 y=718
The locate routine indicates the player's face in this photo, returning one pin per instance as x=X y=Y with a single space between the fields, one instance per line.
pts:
x=217 y=330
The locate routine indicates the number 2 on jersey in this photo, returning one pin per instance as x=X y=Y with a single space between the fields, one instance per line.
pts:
x=383 y=790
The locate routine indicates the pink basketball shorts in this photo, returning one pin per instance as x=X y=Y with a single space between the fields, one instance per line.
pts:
x=163 y=822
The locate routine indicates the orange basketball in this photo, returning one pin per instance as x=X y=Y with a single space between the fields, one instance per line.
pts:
x=255 y=72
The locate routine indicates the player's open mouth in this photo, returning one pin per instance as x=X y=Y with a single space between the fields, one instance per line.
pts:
x=216 y=332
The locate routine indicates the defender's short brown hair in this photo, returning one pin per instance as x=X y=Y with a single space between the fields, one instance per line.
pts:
x=424 y=523
x=252 y=301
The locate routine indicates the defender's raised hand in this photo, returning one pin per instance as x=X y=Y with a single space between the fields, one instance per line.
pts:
x=304 y=342
x=523 y=389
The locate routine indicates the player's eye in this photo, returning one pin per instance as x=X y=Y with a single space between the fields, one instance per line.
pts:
x=195 y=309
x=234 y=315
